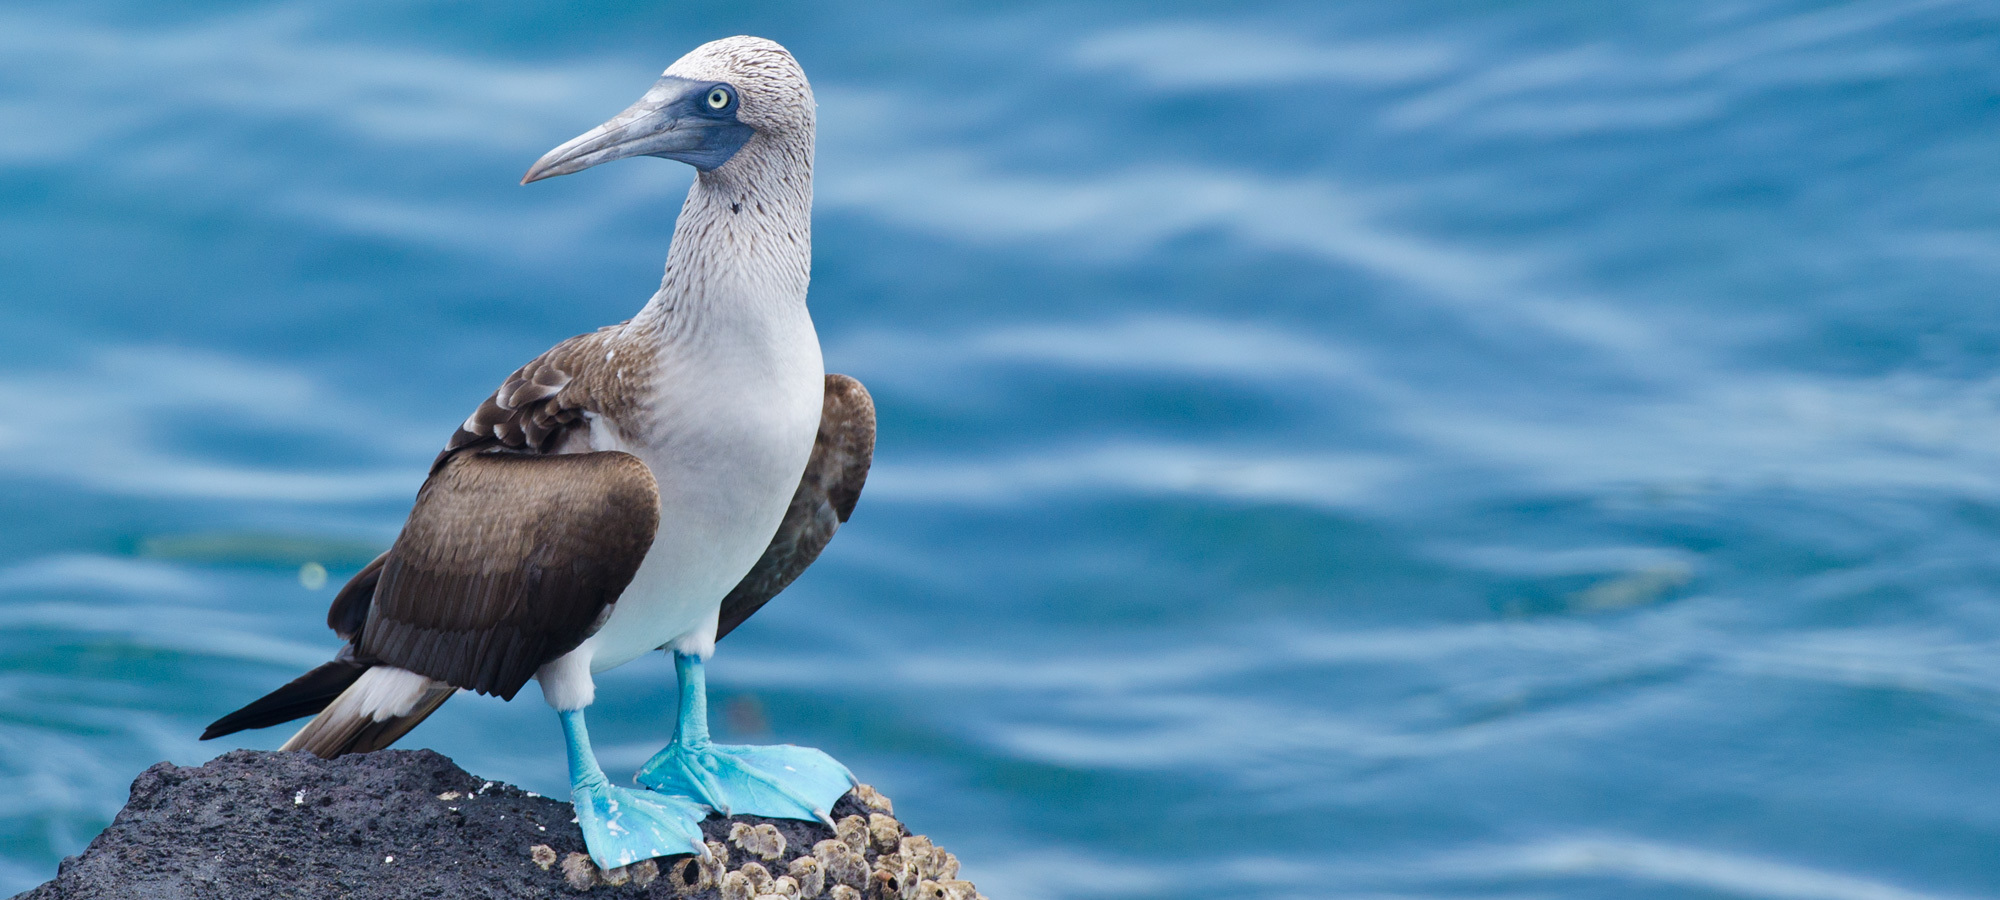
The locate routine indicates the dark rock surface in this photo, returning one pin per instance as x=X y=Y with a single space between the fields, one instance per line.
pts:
x=411 y=824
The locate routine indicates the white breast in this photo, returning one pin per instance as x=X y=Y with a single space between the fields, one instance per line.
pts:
x=734 y=411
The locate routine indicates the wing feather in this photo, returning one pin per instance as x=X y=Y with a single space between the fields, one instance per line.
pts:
x=545 y=403
x=507 y=562
x=349 y=610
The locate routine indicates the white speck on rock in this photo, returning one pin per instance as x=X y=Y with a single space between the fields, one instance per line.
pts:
x=299 y=799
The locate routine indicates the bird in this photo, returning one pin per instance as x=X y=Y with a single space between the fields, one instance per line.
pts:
x=647 y=486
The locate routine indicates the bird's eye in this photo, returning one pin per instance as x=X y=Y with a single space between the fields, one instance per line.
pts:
x=718 y=98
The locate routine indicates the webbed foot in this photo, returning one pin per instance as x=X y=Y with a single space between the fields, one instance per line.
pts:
x=779 y=781
x=623 y=826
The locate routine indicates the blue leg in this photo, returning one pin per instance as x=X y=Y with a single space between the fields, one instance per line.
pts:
x=779 y=781
x=623 y=826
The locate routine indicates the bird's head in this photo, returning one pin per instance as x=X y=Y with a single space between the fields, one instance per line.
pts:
x=704 y=109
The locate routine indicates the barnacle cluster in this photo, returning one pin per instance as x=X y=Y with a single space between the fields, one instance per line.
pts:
x=872 y=858
x=867 y=859
x=583 y=874
x=761 y=840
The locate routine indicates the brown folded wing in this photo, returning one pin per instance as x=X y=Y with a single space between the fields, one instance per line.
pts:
x=507 y=562
x=825 y=498
x=543 y=407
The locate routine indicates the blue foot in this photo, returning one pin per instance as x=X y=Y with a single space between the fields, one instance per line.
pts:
x=779 y=781
x=620 y=826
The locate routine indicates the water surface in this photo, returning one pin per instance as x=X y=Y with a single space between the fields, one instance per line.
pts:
x=1328 y=449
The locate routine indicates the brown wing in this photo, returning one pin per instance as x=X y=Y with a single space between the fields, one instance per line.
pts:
x=510 y=558
x=825 y=498
x=507 y=562
x=349 y=610
x=539 y=409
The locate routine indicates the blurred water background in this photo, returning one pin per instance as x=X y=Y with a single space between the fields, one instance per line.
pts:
x=1419 y=449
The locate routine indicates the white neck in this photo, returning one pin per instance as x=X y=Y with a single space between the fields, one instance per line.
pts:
x=744 y=237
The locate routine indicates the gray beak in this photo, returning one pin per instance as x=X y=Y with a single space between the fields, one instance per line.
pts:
x=678 y=119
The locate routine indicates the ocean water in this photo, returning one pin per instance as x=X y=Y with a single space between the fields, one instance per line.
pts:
x=1415 y=449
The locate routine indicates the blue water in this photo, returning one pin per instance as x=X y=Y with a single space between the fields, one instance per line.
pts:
x=1407 y=449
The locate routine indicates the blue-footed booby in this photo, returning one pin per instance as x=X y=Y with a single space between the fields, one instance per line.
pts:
x=646 y=486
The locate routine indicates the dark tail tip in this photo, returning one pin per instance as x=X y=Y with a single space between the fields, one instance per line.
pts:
x=304 y=696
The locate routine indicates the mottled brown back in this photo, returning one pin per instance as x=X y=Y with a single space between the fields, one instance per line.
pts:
x=541 y=408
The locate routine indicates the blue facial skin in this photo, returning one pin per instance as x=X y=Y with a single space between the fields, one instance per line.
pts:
x=678 y=118
x=718 y=134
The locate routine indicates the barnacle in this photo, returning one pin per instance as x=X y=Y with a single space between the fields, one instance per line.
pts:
x=760 y=840
x=952 y=889
x=853 y=831
x=689 y=876
x=873 y=799
x=882 y=886
x=885 y=831
x=760 y=877
x=579 y=871
x=810 y=875
x=931 y=861
x=842 y=863
x=640 y=873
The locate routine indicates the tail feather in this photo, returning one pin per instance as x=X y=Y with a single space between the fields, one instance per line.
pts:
x=377 y=735
x=303 y=696
x=371 y=713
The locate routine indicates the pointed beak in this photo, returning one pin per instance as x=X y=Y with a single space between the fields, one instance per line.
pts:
x=674 y=120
